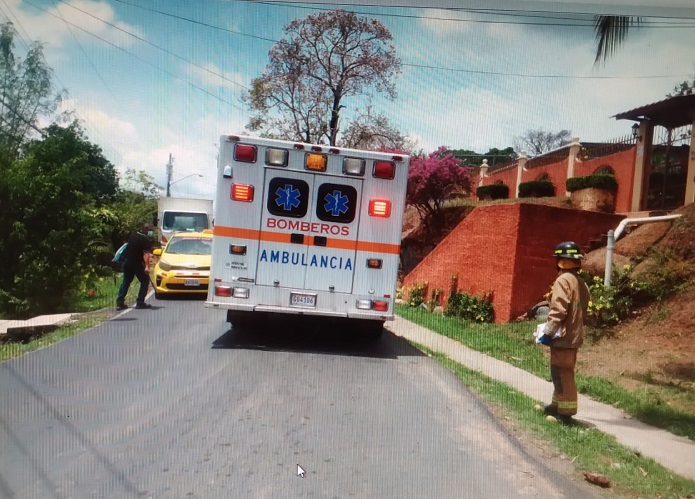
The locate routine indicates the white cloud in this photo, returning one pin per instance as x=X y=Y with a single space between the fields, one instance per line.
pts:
x=57 y=24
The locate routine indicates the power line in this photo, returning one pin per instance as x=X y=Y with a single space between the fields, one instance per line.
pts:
x=456 y=70
x=22 y=118
x=221 y=76
x=584 y=22
x=84 y=53
x=200 y=23
x=139 y=58
x=525 y=75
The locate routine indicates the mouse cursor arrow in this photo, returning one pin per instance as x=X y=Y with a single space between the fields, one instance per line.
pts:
x=300 y=471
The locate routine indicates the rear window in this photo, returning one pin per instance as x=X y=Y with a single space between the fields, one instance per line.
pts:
x=180 y=221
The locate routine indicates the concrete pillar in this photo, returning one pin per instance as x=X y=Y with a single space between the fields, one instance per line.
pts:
x=483 y=172
x=575 y=147
x=643 y=158
x=521 y=166
x=690 y=176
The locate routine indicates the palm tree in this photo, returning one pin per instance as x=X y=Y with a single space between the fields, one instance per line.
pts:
x=611 y=32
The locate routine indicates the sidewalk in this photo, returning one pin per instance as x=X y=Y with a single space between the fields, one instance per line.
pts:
x=42 y=324
x=673 y=452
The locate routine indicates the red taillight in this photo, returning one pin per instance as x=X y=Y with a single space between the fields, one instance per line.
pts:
x=384 y=169
x=380 y=208
x=242 y=192
x=380 y=306
x=223 y=291
x=245 y=153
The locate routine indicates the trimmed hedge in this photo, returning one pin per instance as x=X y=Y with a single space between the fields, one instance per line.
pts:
x=597 y=181
x=537 y=189
x=494 y=191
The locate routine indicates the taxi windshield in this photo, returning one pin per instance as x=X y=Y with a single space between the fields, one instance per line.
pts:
x=189 y=246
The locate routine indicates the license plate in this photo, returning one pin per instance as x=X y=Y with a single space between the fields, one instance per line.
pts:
x=302 y=300
x=191 y=282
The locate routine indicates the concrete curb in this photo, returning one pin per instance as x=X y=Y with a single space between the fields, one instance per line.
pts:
x=673 y=452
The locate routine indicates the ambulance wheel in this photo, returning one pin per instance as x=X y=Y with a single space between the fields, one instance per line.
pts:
x=373 y=330
x=238 y=320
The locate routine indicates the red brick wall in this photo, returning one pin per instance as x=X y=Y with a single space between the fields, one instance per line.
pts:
x=543 y=228
x=507 y=249
x=623 y=164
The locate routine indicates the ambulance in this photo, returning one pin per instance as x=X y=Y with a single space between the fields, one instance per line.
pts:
x=306 y=229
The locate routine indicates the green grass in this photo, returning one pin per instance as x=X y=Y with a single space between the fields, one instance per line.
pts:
x=104 y=297
x=11 y=349
x=103 y=294
x=590 y=450
x=514 y=343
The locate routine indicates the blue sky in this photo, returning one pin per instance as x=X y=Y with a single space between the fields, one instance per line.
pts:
x=158 y=77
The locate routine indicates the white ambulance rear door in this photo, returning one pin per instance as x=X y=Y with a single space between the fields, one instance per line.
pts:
x=334 y=227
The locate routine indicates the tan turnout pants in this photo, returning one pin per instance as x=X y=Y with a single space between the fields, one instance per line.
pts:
x=562 y=364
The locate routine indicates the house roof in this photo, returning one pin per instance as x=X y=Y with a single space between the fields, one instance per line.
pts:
x=673 y=112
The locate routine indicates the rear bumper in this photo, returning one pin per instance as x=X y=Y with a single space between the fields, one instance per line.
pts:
x=348 y=313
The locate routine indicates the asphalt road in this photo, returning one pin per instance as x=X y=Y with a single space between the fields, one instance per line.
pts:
x=171 y=403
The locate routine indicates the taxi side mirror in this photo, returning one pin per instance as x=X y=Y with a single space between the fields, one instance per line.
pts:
x=157 y=252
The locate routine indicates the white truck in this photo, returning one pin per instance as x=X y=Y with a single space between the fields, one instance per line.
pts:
x=306 y=229
x=182 y=215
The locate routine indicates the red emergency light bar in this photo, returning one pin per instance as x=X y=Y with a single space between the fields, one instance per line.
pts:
x=384 y=169
x=245 y=153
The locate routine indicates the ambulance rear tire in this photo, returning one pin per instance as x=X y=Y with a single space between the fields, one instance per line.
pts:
x=238 y=319
x=373 y=330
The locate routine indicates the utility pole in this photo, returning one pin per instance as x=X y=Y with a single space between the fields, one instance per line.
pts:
x=170 y=167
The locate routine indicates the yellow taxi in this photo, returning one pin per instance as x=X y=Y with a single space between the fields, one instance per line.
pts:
x=184 y=264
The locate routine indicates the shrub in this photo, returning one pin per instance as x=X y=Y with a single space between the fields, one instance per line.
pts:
x=609 y=306
x=597 y=181
x=417 y=294
x=536 y=189
x=494 y=191
x=472 y=308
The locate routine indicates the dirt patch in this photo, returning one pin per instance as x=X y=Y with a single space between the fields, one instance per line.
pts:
x=655 y=351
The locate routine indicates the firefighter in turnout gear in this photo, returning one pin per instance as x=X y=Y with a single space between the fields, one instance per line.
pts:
x=568 y=308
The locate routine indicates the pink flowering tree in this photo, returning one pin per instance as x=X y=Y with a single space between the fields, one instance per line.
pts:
x=432 y=179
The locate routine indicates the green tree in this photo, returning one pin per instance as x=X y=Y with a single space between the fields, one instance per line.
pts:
x=26 y=93
x=686 y=87
x=134 y=204
x=322 y=60
x=55 y=230
x=494 y=156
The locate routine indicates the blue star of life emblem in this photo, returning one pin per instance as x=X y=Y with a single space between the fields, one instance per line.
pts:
x=287 y=197
x=336 y=203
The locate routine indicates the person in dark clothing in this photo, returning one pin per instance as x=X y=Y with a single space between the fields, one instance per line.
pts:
x=136 y=264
